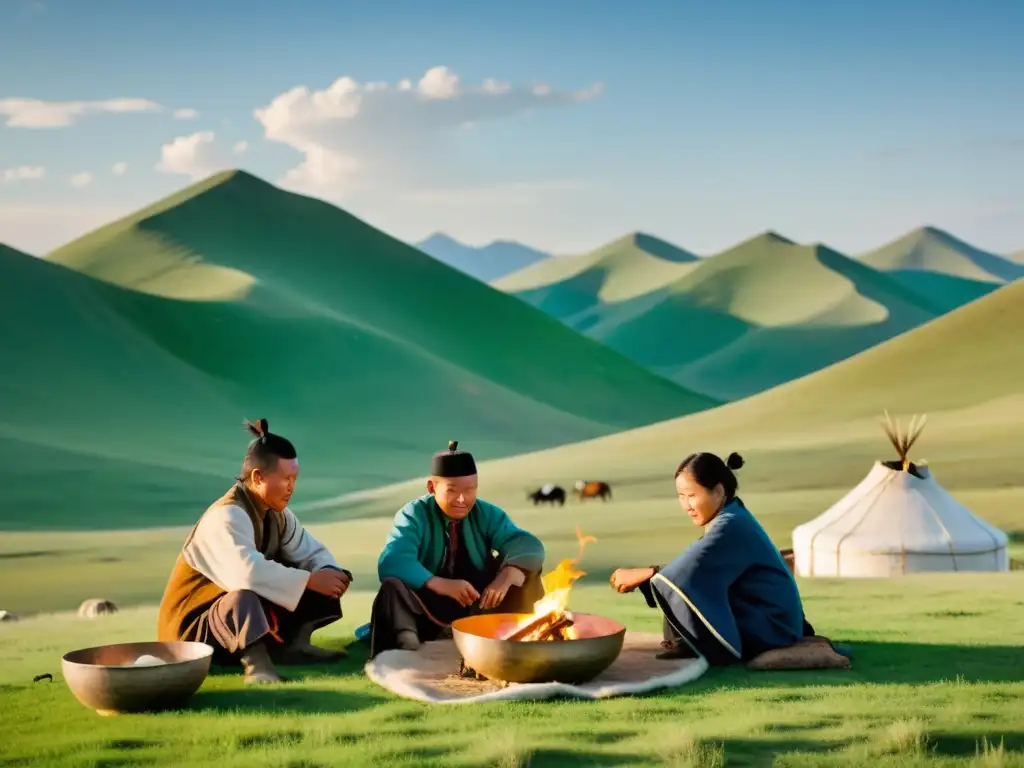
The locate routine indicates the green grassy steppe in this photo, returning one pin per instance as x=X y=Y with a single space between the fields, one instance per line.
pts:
x=129 y=392
x=937 y=678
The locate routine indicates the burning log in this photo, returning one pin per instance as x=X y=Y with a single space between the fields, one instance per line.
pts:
x=556 y=631
x=548 y=626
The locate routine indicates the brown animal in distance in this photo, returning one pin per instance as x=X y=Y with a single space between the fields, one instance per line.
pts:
x=592 y=489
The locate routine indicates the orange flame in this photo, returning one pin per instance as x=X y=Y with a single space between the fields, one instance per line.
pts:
x=558 y=583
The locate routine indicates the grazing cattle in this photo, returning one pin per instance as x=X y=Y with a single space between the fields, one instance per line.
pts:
x=553 y=494
x=592 y=489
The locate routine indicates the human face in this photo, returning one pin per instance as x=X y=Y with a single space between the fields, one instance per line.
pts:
x=275 y=488
x=454 y=495
x=700 y=504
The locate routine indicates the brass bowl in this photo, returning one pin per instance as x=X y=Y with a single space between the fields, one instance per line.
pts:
x=598 y=645
x=105 y=678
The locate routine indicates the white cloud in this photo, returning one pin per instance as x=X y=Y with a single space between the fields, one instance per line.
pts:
x=119 y=169
x=83 y=179
x=241 y=147
x=196 y=155
x=23 y=173
x=185 y=114
x=36 y=113
x=439 y=83
x=379 y=134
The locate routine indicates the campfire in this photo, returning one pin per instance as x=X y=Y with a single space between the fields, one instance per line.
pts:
x=550 y=620
x=548 y=644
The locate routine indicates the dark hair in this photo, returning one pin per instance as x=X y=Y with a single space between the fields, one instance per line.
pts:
x=264 y=450
x=709 y=470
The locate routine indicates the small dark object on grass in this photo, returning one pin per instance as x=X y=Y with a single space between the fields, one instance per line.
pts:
x=45 y=676
x=469 y=672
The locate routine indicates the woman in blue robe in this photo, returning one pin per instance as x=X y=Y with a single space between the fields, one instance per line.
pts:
x=730 y=595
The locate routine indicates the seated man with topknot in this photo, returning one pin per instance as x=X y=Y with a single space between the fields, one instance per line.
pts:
x=250 y=580
x=450 y=554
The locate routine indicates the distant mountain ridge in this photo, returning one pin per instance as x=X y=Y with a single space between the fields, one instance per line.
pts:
x=756 y=315
x=744 y=320
x=618 y=270
x=941 y=267
x=486 y=263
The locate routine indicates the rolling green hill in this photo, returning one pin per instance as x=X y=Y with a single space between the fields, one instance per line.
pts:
x=942 y=268
x=806 y=442
x=754 y=316
x=571 y=287
x=965 y=362
x=234 y=299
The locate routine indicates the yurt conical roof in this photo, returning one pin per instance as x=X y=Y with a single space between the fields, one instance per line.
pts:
x=898 y=520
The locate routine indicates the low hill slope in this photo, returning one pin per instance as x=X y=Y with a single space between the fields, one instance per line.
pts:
x=942 y=268
x=963 y=369
x=568 y=286
x=487 y=263
x=757 y=315
x=234 y=300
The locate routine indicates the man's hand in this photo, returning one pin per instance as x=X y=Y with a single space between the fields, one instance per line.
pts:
x=497 y=589
x=329 y=582
x=628 y=579
x=458 y=590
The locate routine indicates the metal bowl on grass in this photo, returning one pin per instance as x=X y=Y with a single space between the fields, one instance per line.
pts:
x=136 y=677
x=597 y=646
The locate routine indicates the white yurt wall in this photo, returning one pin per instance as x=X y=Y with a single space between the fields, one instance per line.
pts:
x=894 y=523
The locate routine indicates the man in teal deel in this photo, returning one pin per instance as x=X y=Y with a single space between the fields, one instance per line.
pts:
x=449 y=555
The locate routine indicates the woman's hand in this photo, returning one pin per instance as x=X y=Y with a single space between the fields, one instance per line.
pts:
x=628 y=579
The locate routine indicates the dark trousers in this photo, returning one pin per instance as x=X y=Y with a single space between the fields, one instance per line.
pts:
x=399 y=608
x=239 y=620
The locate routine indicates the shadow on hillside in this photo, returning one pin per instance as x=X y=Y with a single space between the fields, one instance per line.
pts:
x=888 y=663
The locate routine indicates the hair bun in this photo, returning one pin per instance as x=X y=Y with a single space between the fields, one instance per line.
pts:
x=453 y=444
x=258 y=428
x=735 y=461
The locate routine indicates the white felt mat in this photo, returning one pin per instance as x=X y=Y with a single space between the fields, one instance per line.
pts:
x=431 y=675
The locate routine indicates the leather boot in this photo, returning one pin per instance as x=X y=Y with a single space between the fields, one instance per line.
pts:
x=301 y=650
x=408 y=640
x=675 y=650
x=258 y=666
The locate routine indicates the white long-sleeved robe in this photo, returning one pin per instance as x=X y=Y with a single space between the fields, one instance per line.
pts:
x=223 y=549
x=239 y=545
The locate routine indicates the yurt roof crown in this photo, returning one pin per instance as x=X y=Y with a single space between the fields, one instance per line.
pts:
x=902 y=442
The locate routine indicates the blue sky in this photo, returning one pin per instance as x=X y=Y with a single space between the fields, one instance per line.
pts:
x=702 y=123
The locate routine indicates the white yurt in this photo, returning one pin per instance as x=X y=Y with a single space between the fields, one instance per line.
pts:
x=897 y=520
